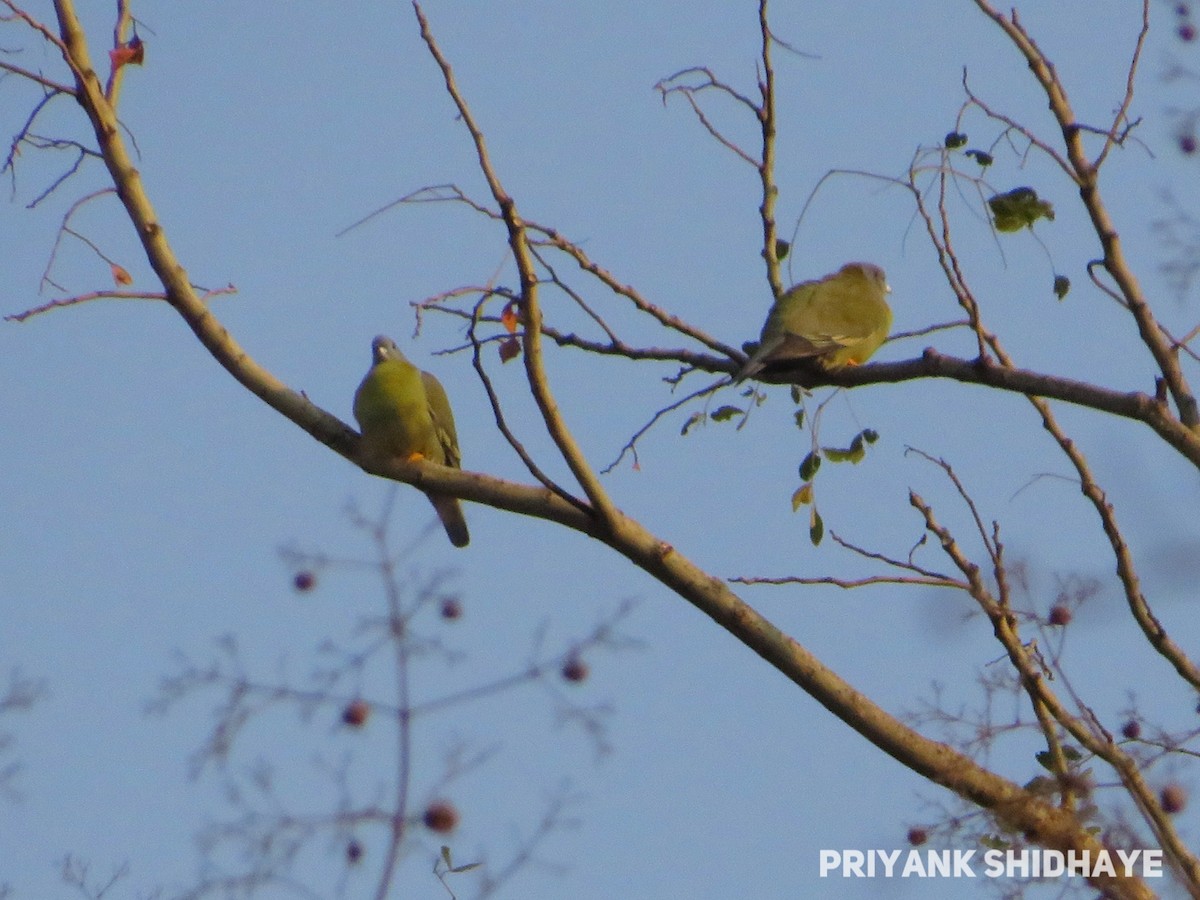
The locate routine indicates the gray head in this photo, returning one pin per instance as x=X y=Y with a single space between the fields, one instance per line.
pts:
x=383 y=347
x=870 y=271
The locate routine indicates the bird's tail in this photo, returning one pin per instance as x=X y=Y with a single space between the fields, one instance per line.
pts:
x=752 y=367
x=450 y=511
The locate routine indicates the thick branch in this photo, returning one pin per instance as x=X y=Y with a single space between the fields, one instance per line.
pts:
x=1131 y=405
x=1011 y=804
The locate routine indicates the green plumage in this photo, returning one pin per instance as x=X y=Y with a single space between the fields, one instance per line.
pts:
x=405 y=412
x=838 y=320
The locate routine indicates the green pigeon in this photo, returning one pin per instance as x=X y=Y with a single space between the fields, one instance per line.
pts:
x=838 y=320
x=405 y=412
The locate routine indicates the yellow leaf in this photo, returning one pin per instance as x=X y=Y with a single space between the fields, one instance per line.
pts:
x=120 y=276
x=802 y=495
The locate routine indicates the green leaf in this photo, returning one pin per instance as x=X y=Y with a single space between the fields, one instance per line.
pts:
x=816 y=527
x=954 y=140
x=797 y=394
x=857 y=449
x=694 y=419
x=984 y=159
x=1018 y=208
x=802 y=495
x=446 y=856
x=1062 y=286
x=781 y=249
x=725 y=413
x=809 y=466
x=837 y=454
x=799 y=416
x=467 y=868
x=853 y=454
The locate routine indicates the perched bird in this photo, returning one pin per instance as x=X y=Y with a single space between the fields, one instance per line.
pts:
x=838 y=320
x=405 y=412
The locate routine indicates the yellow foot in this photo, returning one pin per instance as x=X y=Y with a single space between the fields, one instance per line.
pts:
x=415 y=456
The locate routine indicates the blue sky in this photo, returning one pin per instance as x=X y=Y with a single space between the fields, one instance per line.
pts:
x=146 y=494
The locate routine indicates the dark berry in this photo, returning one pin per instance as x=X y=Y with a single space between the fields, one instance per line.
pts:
x=1173 y=798
x=356 y=712
x=440 y=816
x=575 y=669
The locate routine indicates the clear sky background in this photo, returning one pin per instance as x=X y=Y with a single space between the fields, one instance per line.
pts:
x=145 y=495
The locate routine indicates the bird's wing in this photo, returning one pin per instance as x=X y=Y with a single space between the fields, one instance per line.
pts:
x=443 y=419
x=842 y=313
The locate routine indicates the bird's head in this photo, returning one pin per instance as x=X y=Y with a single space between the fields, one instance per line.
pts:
x=870 y=272
x=383 y=347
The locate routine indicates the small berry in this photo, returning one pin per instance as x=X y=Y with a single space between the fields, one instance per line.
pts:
x=1187 y=144
x=304 y=581
x=917 y=836
x=1132 y=729
x=1060 y=615
x=1186 y=32
x=575 y=670
x=451 y=608
x=1181 y=10
x=356 y=712
x=1173 y=798
x=440 y=816
x=354 y=852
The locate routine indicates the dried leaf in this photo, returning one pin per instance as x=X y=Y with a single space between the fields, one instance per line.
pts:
x=510 y=348
x=509 y=317
x=120 y=276
x=132 y=53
